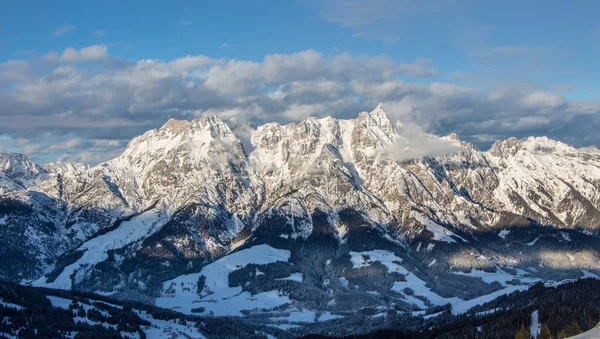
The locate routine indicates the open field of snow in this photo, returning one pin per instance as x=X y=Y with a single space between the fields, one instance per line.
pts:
x=499 y=276
x=419 y=287
x=216 y=296
x=392 y=263
x=440 y=233
x=158 y=329
x=59 y=302
x=591 y=334
x=15 y=306
x=96 y=249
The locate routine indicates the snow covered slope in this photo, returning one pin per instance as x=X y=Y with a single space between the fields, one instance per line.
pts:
x=591 y=334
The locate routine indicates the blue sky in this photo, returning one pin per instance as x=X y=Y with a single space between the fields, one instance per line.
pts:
x=539 y=58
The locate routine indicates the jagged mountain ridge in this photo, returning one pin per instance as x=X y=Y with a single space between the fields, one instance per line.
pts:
x=17 y=172
x=156 y=165
x=188 y=193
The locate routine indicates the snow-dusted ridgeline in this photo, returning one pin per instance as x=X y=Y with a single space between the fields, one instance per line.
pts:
x=182 y=197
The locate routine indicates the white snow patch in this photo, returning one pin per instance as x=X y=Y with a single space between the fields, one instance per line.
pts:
x=388 y=259
x=531 y=243
x=488 y=312
x=499 y=276
x=59 y=302
x=325 y=316
x=591 y=334
x=440 y=233
x=588 y=274
x=293 y=277
x=503 y=233
x=91 y=322
x=284 y=327
x=464 y=305
x=168 y=329
x=5 y=304
x=297 y=317
x=434 y=315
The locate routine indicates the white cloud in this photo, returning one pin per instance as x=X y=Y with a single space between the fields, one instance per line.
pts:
x=421 y=68
x=184 y=22
x=445 y=90
x=99 y=33
x=63 y=30
x=224 y=45
x=14 y=71
x=189 y=62
x=539 y=99
x=70 y=54
x=416 y=143
x=51 y=148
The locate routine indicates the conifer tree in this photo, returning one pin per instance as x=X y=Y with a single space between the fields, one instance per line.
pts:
x=522 y=333
x=545 y=332
x=570 y=330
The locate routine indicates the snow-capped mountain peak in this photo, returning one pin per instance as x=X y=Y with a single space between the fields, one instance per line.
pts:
x=17 y=172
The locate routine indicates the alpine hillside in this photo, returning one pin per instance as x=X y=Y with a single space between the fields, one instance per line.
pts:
x=320 y=221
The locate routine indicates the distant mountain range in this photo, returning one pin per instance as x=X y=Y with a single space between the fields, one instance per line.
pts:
x=326 y=219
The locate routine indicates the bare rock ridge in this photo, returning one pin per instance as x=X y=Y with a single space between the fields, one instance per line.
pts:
x=318 y=216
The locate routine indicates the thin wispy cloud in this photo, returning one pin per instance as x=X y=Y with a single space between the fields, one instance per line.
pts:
x=420 y=68
x=389 y=21
x=224 y=45
x=459 y=75
x=63 y=30
x=99 y=33
x=493 y=53
x=184 y=22
x=565 y=88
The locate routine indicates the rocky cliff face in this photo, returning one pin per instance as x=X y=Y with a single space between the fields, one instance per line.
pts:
x=357 y=209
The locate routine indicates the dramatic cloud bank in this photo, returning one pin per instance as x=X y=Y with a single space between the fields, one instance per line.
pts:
x=82 y=104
